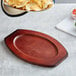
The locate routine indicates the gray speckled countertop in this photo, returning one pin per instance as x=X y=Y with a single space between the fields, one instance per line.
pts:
x=44 y=22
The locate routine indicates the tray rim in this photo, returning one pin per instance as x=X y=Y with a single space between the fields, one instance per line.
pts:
x=53 y=62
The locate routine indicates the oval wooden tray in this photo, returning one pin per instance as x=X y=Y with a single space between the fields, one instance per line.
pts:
x=36 y=47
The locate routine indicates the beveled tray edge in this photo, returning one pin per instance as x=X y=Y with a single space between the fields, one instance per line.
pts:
x=32 y=62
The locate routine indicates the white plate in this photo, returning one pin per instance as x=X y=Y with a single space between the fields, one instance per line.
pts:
x=67 y=25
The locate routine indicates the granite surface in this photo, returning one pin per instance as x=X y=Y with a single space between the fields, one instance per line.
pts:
x=44 y=22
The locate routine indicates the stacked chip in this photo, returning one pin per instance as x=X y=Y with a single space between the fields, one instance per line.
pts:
x=30 y=5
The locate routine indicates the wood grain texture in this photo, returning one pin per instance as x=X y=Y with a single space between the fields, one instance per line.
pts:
x=36 y=47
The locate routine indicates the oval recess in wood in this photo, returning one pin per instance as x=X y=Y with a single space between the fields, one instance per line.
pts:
x=36 y=47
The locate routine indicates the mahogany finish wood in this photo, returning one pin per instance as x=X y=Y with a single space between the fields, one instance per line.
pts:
x=36 y=47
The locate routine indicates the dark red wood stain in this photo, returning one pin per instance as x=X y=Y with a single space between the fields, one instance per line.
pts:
x=36 y=47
